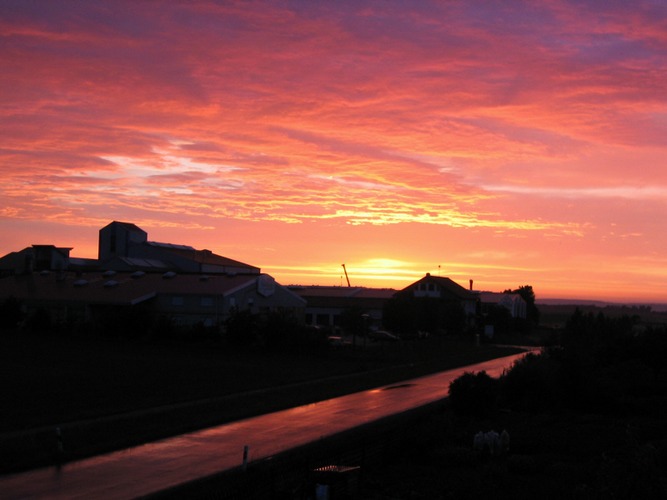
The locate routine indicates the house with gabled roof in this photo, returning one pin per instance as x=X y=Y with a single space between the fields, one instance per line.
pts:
x=446 y=290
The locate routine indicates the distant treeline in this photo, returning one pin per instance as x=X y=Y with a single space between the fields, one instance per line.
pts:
x=558 y=314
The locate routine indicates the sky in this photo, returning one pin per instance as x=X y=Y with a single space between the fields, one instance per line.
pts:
x=512 y=143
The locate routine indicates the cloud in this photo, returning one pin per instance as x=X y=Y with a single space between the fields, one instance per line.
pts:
x=515 y=120
x=626 y=192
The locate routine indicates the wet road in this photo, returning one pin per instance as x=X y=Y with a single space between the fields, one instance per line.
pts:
x=156 y=466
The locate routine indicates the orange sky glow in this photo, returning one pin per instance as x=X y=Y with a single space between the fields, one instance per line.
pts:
x=510 y=143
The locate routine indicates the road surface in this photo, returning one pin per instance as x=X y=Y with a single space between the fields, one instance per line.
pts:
x=162 y=464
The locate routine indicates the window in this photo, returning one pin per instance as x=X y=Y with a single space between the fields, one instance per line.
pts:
x=177 y=301
x=206 y=301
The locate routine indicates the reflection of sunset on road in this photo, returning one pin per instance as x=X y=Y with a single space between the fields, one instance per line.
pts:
x=507 y=143
x=152 y=467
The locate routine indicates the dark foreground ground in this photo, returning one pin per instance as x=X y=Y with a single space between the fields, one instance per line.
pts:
x=567 y=456
x=106 y=394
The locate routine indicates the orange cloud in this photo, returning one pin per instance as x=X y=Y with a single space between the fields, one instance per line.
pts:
x=413 y=134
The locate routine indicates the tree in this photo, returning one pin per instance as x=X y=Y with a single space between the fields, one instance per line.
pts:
x=528 y=295
x=474 y=394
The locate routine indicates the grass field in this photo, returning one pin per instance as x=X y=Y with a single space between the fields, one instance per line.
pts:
x=107 y=394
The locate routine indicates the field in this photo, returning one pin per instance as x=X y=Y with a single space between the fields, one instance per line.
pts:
x=107 y=394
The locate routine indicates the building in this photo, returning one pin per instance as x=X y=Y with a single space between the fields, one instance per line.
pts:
x=35 y=258
x=187 y=299
x=124 y=247
x=189 y=286
x=445 y=290
x=513 y=302
x=326 y=304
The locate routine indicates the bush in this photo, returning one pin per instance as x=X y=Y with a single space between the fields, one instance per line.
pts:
x=534 y=383
x=474 y=395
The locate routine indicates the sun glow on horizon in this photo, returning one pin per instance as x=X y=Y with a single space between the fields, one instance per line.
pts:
x=509 y=144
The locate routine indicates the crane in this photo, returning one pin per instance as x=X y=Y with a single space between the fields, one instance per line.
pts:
x=346 y=277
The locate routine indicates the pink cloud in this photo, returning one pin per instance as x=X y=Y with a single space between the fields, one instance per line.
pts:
x=495 y=121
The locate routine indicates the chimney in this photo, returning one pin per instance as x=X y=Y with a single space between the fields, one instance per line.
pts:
x=471 y=285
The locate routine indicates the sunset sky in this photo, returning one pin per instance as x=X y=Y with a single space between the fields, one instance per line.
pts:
x=507 y=142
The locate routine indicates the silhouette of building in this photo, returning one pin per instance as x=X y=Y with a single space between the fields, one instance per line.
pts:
x=124 y=247
x=189 y=286
x=445 y=290
x=326 y=304
x=513 y=302
x=198 y=286
x=35 y=258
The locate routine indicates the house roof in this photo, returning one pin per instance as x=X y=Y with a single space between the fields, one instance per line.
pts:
x=498 y=298
x=127 y=225
x=169 y=246
x=20 y=254
x=205 y=257
x=347 y=292
x=117 y=288
x=12 y=258
x=135 y=263
x=343 y=297
x=445 y=284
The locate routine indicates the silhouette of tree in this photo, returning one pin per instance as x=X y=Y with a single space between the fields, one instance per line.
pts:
x=474 y=394
x=528 y=295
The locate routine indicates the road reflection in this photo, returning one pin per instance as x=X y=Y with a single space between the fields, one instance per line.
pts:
x=156 y=466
